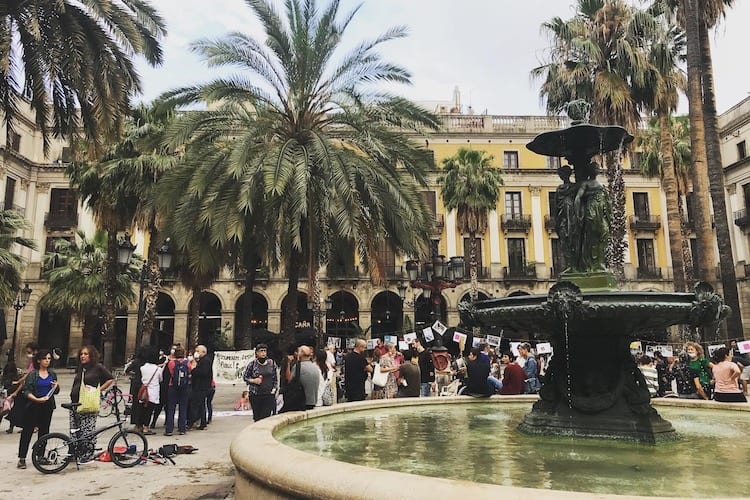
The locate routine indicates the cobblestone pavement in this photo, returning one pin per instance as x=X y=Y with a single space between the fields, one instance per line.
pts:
x=206 y=474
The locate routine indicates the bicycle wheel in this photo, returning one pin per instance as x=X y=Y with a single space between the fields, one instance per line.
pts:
x=127 y=448
x=52 y=453
x=105 y=406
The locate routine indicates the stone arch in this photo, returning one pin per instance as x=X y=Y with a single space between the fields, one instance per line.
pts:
x=387 y=314
x=209 y=317
x=423 y=311
x=258 y=320
x=163 y=334
x=343 y=318
x=518 y=293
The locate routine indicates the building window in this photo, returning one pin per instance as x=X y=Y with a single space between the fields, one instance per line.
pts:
x=640 y=205
x=510 y=159
x=513 y=205
x=741 y=150
x=10 y=192
x=646 y=258
x=15 y=142
x=636 y=158
x=516 y=255
x=553 y=162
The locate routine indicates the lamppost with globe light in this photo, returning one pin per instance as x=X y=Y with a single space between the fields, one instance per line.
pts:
x=125 y=250
x=22 y=298
x=320 y=310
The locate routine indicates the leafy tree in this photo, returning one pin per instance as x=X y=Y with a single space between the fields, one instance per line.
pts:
x=471 y=186
x=12 y=264
x=76 y=276
x=73 y=61
x=307 y=127
x=598 y=55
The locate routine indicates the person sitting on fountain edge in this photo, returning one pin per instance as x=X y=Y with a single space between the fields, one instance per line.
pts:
x=477 y=371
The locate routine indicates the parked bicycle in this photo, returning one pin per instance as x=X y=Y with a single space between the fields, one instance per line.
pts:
x=53 y=452
x=113 y=398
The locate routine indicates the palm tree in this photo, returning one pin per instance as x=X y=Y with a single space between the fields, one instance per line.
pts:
x=75 y=273
x=139 y=161
x=597 y=56
x=306 y=136
x=72 y=60
x=12 y=264
x=471 y=186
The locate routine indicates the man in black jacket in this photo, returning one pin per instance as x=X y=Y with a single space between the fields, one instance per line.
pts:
x=200 y=380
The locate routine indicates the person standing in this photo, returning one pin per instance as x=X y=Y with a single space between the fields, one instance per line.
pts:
x=727 y=373
x=701 y=368
x=356 y=369
x=90 y=373
x=39 y=389
x=261 y=376
x=426 y=370
x=530 y=367
x=200 y=376
x=151 y=376
x=650 y=375
x=309 y=376
x=409 y=376
x=178 y=391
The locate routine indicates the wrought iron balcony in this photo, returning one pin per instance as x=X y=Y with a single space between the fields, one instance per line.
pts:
x=16 y=208
x=438 y=223
x=482 y=272
x=649 y=273
x=741 y=218
x=60 y=220
x=515 y=223
x=645 y=223
x=550 y=223
x=525 y=273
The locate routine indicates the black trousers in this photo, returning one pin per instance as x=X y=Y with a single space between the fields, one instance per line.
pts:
x=37 y=415
x=198 y=407
x=263 y=405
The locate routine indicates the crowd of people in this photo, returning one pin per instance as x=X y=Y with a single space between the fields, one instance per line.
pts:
x=691 y=375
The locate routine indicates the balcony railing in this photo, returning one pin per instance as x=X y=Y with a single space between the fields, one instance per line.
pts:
x=16 y=208
x=519 y=274
x=60 y=220
x=645 y=222
x=482 y=272
x=438 y=223
x=550 y=223
x=649 y=273
x=515 y=223
x=741 y=218
x=454 y=122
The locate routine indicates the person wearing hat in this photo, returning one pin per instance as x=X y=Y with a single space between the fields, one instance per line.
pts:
x=262 y=379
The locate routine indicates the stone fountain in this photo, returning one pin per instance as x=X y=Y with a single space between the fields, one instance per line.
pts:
x=593 y=387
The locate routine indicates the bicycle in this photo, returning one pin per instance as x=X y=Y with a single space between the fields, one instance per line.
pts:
x=53 y=452
x=114 y=398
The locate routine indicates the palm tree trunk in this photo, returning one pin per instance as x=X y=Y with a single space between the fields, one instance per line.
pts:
x=474 y=275
x=289 y=312
x=152 y=287
x=195 y=312
x=687 y=255
x=718 y=193
x=111 y=272
x=245 y=329
x=706 y=264
x=618 y=244
x=669 y=184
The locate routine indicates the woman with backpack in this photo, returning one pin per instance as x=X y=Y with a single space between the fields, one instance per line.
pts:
x=178 y=392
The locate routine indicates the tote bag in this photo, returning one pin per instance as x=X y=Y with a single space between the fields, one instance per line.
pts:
x=89 y=397
x=379 y=378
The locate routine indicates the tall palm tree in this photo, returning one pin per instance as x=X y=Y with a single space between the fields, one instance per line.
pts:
x=597 y=56
x=75 y=273
x=471 y=186
x=12 y=264
x=72 y=60
x=307 y=127
x=138 y=162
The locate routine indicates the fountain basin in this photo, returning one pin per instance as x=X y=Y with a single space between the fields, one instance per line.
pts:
x=267 y=468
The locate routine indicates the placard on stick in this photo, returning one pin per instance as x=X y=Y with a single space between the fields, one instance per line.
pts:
x=544 y=348
x=493 y=340
x=429 y=336
x=439 y=327
x=410 y=337
x=743 y=346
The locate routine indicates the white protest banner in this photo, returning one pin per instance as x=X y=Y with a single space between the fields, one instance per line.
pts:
x=743 y=346
x=428 y=335
x=665 y=350
x=403 y=345
x=439 y=327
x=410 y=337
x=229 y=365
x=390 y=339
x=334 y=341
x=544 y=348
x=493 y=340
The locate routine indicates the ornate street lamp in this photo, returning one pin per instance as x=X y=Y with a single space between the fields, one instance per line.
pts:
x=433 y=277
x=22 y=298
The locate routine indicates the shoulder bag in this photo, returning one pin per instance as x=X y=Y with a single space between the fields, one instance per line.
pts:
x=143 y=391
x=89 y=396
x=379 y=378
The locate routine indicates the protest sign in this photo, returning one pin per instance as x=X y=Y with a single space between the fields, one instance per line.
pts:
x=544 y=348
x=439 y=327
x=390 y=339
x=493 y=340
x=429 y=336
x=743 y=346
x=410 y=337
x=459 y=337
x=228 y=366
x=350 y=343
x=403 y=345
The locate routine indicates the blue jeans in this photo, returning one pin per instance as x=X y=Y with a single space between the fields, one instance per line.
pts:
x=425 y=389
x=494 y=384
x=177 y=398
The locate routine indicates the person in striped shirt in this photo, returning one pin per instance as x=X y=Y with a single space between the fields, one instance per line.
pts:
x=646 y=365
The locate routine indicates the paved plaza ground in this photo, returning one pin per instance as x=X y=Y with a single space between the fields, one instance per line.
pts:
x=206 y=474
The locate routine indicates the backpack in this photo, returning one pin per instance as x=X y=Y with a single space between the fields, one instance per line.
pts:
x=181 y=374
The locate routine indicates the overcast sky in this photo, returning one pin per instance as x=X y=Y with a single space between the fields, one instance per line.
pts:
x=485 y=47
